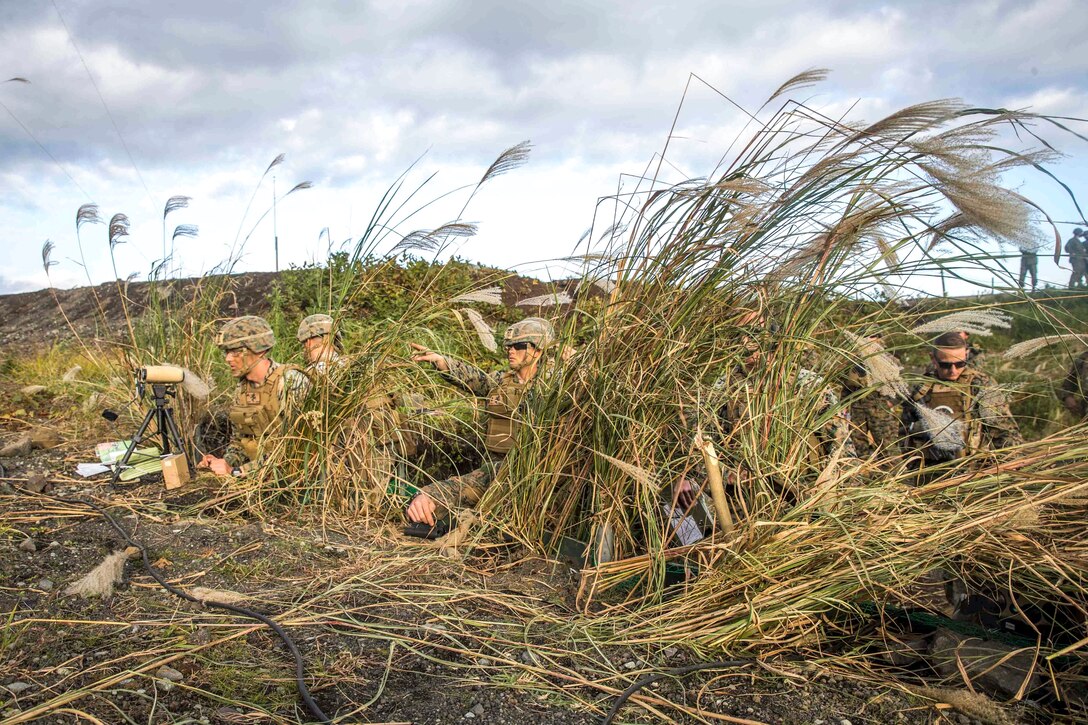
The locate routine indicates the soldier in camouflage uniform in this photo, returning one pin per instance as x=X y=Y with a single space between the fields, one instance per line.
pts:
x=320 y=344
x=1074 y=389
x=962 y=407
x=1029 y=265
x=525 y=343
x=264 y=387
x=834 y=433
x=743 y=381
x=873 y=409
x=874 y=415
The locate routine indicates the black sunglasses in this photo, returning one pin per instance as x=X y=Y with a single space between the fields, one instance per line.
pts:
x=949 y=365
x=518 y=345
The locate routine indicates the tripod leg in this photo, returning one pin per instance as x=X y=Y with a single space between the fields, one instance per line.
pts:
x=136 y=440
x=175 y=436
x=163 y=429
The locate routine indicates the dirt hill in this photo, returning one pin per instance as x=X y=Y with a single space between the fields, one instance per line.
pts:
x=45 y=317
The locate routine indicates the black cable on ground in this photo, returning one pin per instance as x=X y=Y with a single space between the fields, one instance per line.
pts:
x=672 y=672
x=300 y=671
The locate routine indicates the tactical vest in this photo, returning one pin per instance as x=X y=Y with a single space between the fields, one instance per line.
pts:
x=959 y=398
x=256 y=408
x=502 y=413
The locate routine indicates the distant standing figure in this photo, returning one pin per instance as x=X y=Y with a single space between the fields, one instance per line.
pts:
x=1078 y=256
x=1029 y=264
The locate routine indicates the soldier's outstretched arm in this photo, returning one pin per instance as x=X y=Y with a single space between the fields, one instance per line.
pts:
x=235 y=455
x=458 y=372
x=296 y=386
x=470 y=377
x=422 y=354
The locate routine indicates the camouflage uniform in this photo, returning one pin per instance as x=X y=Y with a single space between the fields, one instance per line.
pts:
x=504 y=395
x=874 y=416
x=320 y=325
x=382 y=419
x=835 y=432
x=975 y=400
x=257 y=408
x=1078 y=259
x=1074 y=389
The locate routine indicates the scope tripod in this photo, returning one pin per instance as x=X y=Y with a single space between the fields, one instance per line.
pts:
x=167 y=427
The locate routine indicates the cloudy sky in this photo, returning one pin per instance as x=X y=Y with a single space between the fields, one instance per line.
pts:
x=131 y=102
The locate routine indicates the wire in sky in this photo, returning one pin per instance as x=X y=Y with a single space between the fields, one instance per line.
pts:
x=44 y=149
x=72 y=40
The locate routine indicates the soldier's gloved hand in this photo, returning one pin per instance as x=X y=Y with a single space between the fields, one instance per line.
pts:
x=687 y=492
x=425 y=355
x=218 y=466
x=422 y=509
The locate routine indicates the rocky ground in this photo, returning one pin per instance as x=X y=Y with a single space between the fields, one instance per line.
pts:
x=389 y=631
x=374 y=652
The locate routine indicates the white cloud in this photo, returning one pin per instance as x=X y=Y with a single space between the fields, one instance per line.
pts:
x=207 y=93
x=1065 y=101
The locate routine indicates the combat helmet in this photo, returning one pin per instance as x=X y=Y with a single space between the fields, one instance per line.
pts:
x=1078 y=232
x=535 y=330
x=317 y=325
x=251 y=332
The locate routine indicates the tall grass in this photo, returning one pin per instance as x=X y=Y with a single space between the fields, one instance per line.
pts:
x=797 y=231
x=343 y=447
x=812 y=232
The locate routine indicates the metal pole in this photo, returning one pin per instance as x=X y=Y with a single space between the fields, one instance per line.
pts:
x=275 y=234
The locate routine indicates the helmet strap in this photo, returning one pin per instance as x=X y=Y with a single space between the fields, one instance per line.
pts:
x=526 y=369
x=259 y=359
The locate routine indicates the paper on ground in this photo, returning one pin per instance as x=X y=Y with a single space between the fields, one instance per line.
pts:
x=151 y=465
x=114 y=451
